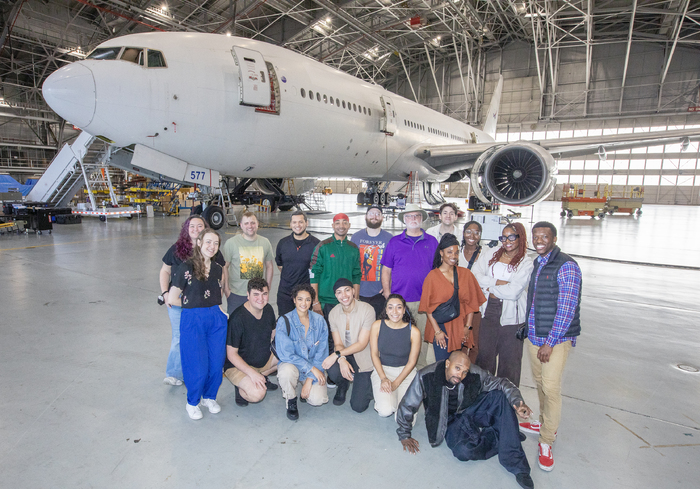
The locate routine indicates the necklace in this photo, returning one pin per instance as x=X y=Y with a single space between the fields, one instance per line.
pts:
x=451 y=388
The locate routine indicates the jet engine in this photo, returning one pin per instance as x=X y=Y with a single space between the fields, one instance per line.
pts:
x=519 y=173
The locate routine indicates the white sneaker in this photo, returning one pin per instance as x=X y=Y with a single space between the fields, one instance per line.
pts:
x=194 y=412
x=172 y=381
x=212 y=405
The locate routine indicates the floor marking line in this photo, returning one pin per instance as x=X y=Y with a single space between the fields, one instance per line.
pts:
x=625 y=427
x=622 y=410
x=680 y=445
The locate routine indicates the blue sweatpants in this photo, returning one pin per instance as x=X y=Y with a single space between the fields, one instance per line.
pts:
x=203 y=350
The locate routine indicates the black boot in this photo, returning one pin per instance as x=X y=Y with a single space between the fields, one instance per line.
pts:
x=339 y=398
x=525 y=480
x=269 y=385
x=292 y=411
x=239 y=398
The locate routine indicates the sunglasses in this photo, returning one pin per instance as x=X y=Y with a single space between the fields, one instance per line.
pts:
x=511 y=238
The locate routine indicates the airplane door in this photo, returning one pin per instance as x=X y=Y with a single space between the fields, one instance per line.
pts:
x=254 y=79
x=388 y=120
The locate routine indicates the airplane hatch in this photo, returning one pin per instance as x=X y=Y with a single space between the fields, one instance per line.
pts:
x=274 y=107
x=388 y=120
x=254 y=80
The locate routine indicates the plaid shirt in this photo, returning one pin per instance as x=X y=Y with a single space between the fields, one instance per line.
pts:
x=569 y=280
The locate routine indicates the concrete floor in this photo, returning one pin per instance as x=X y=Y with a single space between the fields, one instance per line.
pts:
x=84 y=344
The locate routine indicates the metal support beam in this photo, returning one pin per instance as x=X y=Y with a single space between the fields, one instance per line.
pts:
x=627 y=55
x=432 y=71
x=676 y=35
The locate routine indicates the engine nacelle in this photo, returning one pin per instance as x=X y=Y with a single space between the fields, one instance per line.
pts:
x=519 y=173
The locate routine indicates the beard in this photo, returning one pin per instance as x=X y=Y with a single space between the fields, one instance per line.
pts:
x=373 y=224
x=298 y=234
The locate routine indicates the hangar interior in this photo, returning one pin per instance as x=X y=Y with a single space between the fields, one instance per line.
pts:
x=84 y=344
x=570 y=68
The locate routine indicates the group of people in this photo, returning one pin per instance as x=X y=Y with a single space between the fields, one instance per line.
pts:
x=416 y=318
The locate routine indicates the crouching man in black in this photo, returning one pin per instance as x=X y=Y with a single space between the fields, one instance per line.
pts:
x=473 y=411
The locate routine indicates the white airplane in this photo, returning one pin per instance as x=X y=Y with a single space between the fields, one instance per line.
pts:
x=189 y=106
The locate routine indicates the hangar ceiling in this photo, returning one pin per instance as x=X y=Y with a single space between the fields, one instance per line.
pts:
x=384 y=41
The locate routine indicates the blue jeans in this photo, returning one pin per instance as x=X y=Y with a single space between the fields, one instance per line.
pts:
x=203 y=350
x=174 y=365
x=441 y=353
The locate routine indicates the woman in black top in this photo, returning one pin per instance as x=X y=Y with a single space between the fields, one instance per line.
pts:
x=394 y=344
x=196 y=288
x=173 y=258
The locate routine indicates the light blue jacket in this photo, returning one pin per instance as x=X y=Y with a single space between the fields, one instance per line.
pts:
x=302 y=352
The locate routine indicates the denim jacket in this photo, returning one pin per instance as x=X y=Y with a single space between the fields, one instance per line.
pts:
x=302 y=352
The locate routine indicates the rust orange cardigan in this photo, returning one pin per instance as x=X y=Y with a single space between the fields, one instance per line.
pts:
x=437 y=290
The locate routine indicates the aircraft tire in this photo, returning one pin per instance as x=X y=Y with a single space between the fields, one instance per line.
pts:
x=361 y=198
x=271 y=201
x=384 y=198
x=374 y=199
x=214 y=215
x=286 y=207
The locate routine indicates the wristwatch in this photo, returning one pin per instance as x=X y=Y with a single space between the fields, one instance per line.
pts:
x=337 y=352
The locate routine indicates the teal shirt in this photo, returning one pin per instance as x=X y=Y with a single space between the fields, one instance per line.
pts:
x=333 y=259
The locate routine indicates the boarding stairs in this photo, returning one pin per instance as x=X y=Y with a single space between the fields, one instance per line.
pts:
x=315 y=201
x=65 y=176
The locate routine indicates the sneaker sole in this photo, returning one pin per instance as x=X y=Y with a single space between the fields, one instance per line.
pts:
x=545 y=468
x=528 y=430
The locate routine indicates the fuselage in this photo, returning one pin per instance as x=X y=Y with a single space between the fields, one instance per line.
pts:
x=328 y=124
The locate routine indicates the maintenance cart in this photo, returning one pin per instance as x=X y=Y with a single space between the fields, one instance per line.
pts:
x=574 y=202
x=628 y=203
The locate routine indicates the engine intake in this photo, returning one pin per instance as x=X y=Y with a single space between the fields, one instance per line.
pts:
x=519 y=173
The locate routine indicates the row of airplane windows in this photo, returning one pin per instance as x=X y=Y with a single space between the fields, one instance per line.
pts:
x=437 y=132
x=141 y=56
x=317 y=96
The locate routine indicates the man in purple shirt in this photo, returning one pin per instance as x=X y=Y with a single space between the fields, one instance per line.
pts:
x=554 y=322
x=407 y=260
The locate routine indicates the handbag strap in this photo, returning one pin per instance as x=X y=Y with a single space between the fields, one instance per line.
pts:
x=473 y=258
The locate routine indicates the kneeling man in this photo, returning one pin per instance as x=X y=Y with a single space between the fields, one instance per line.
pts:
x=351 y=361
x=473 y=411
x=251 y=328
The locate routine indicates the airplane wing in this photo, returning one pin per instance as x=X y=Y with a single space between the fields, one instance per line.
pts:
x=522 y=172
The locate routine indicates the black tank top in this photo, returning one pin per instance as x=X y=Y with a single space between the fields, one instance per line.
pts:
x=394 y=345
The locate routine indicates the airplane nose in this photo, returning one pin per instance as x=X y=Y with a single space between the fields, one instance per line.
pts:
x=70 y=92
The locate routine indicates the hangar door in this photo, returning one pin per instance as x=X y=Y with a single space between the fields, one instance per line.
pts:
x=388 y=120
x=254 y=79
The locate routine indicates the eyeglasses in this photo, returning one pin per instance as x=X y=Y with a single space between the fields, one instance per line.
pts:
x=413 y=216
x=469 y=232
x=511 y=238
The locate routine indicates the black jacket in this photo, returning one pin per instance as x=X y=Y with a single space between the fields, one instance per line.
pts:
x=429 y=388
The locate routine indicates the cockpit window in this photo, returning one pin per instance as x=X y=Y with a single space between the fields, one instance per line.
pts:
x=155 y=59
x=132 y=54
x=105 y=53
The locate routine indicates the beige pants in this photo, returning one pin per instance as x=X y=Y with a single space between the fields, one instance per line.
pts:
x=548 y=378
x=288 y=377
x=249 y=391
x=421 y=320
x=387 y=404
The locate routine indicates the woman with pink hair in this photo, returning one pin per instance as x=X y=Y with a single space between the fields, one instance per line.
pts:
x=180 y=252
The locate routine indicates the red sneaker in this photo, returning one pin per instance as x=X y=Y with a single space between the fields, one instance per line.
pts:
x=530 y=427
x=545 y=458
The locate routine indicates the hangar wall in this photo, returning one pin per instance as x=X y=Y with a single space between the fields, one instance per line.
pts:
x=567 y=109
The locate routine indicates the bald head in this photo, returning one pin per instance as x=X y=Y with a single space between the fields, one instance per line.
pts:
x=457 y=367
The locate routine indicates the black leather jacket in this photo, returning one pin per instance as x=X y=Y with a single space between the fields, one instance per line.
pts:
x=430 y=379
